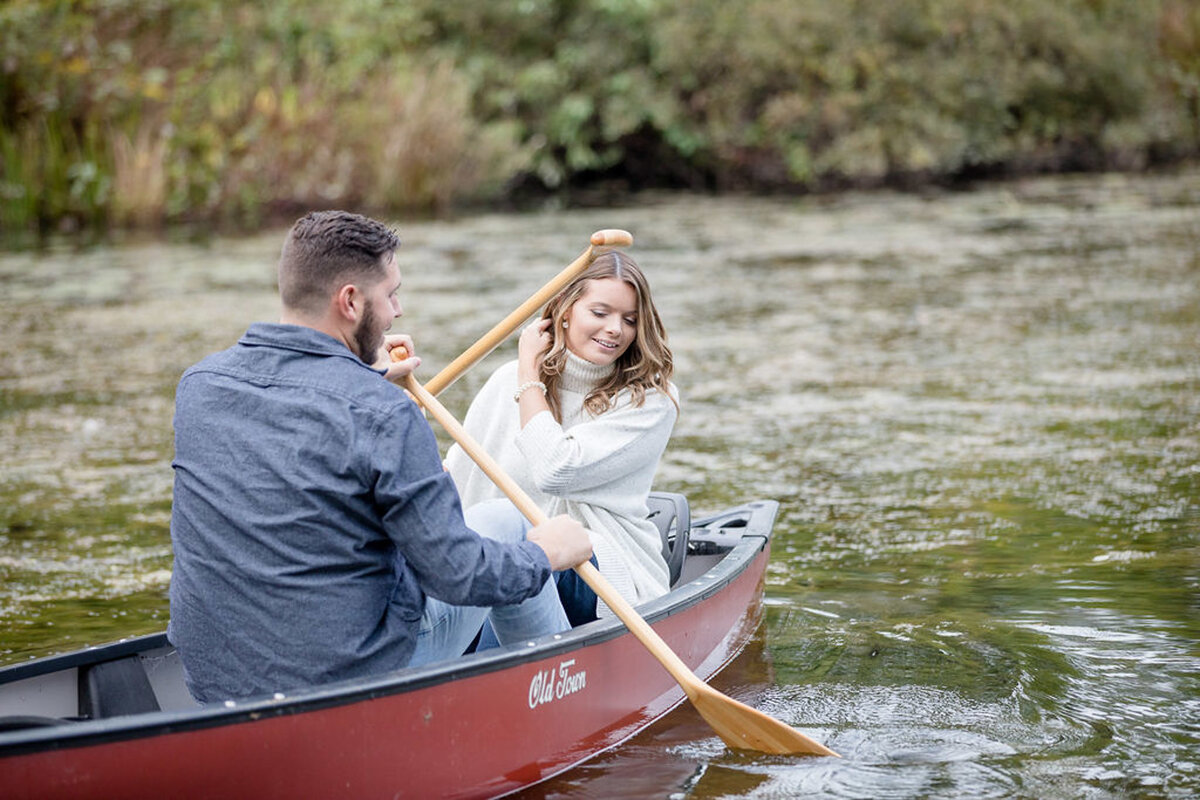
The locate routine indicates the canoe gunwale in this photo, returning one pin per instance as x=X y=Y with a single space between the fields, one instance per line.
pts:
x=752 y=539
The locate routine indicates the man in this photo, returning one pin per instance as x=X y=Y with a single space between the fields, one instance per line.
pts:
x=316 y=536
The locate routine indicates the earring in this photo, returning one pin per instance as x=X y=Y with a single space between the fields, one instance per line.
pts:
x=565 y=324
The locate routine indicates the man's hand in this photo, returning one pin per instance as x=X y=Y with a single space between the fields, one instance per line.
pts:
x=398 y=357
x=565 y=541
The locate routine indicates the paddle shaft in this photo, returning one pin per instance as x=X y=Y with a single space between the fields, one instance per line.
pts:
x=489 y=341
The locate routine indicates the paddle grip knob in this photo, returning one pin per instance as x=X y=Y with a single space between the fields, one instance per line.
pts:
x=612 y=237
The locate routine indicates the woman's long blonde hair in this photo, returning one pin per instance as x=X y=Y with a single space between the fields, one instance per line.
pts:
x=647 y=364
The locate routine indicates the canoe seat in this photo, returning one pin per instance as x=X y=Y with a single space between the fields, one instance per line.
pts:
x=113 y=688
x=670 y=512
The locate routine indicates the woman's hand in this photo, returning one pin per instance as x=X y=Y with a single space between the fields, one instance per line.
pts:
x=532 y=347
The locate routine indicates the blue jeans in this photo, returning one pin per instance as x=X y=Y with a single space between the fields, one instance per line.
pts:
x=576 y=597
x=446 y=630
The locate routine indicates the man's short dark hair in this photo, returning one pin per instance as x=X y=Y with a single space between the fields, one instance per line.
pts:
x=326 y=249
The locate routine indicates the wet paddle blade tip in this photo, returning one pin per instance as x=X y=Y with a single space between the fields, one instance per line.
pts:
x=744 y=728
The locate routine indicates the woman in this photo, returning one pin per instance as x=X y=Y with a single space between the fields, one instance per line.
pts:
x=580 y=421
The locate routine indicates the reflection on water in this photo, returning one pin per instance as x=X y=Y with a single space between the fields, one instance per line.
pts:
x=980 y=412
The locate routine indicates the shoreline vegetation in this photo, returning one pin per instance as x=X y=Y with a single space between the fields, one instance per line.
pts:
x=140 y=113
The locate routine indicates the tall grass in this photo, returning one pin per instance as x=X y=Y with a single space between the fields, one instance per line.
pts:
x=49 y=173
x=425 y=155
x=1179 y=38
x=139 y=175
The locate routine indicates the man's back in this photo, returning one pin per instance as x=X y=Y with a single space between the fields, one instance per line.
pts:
x=312 y=517
x=284 y=576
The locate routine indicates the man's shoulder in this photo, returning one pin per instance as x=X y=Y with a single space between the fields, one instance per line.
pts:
x=213 y=362
x=329 y=375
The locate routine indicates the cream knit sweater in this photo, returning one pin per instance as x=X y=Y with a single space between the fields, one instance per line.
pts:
x=598 y=470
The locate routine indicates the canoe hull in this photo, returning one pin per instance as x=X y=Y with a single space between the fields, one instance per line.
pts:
x=489 y=728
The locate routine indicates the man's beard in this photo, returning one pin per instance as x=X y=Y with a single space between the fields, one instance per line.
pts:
x=368 y=336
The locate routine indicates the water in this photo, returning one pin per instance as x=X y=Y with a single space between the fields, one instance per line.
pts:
x=980 y=412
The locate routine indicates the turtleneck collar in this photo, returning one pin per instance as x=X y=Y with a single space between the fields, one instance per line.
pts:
x=580 y=375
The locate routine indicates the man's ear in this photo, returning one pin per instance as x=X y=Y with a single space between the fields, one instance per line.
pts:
x=347 y=302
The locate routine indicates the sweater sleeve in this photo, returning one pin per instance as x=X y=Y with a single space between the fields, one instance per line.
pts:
x=492 y=421
x=600 y=451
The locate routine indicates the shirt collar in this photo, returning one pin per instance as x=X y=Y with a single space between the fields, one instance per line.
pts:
x=301 y=339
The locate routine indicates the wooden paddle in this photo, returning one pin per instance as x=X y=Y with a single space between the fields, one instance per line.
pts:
x=739 y=725
x=488 y=342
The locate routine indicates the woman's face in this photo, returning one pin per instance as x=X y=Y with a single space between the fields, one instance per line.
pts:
x=603 y=322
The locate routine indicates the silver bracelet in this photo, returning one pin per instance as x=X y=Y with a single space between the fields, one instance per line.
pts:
x=528 y=385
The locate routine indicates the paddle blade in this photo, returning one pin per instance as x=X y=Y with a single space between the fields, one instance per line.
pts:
x=745 y=728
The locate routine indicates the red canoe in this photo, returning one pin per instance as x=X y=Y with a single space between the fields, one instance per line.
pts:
x=115 y=721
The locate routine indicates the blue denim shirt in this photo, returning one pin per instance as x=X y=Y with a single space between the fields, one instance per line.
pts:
x=311 y=517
